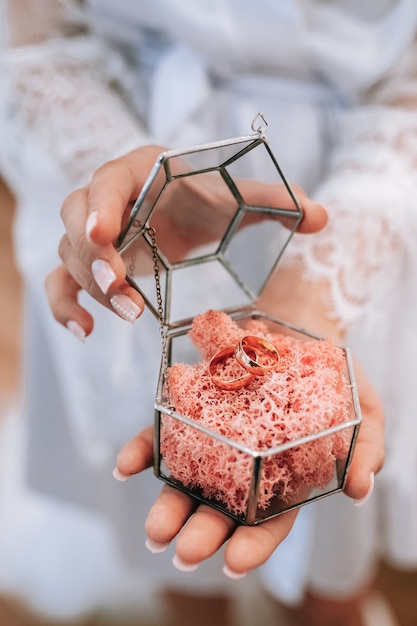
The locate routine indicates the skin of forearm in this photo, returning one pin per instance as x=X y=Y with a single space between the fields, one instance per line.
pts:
x=290 y=296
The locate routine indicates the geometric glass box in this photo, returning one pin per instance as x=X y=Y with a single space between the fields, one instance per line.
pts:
x=253 y=415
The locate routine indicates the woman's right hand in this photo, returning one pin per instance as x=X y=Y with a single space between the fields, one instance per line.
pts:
x=94 y=215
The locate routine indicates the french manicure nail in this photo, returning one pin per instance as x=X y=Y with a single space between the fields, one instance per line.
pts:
x=76 y=330
x=368 y=494
x=155 y=547
x=117 y=474
x=184 y=567
x=103 y=274
x=90 y=224
x=125 y=307
x=231 y=574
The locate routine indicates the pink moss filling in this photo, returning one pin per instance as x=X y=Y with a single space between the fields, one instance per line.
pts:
x=308 y=392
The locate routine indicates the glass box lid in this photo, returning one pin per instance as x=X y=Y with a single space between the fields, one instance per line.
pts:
x=200 y=237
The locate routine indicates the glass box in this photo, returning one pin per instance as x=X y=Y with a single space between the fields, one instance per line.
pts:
x=200 y=250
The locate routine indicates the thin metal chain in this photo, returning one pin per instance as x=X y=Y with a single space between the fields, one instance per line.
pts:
x=132 y=265
x=159 y=302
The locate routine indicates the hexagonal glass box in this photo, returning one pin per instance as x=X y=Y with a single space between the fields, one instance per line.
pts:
x=286 y=436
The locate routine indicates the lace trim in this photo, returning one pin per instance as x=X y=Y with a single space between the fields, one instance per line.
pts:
x=371 y=190
x=72 y=104
x=399 y=87
x=363 y=249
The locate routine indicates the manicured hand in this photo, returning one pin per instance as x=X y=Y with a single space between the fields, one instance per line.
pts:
x=200 y=530
x=94 y=215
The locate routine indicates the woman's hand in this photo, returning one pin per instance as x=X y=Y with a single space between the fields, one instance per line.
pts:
x=200 y=530
x=94 y=216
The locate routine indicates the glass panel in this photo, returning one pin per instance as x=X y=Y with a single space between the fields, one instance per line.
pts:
x=208 y=469
x=182 y=350
x=258 y=164
x=217 y=237
x=253 y=252
x=192 y=212
x=210 y=157
x=229 y=479
x=143 y=207
x=198 y=288
x=304 y=473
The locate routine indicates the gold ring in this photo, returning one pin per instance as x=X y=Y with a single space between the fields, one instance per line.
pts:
x=257 y=355
x=231 y=383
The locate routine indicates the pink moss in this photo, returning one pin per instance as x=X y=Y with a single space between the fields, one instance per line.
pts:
x=308 y=392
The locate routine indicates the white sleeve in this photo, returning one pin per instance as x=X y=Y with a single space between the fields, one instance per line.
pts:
x=371 y=193
x=63 y=96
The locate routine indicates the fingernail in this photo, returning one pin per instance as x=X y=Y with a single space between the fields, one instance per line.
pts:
x=103 y=274
x=76 y=330
x=184 y=567
x=368 y=494
x=117 y=474
x=231 y=574
x=90 y=224
x=125 y=307
x=155 y=547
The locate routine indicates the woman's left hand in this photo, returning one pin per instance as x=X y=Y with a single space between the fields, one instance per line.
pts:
x=200 y=530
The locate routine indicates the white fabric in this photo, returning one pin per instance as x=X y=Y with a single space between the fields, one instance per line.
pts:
x=337 y=82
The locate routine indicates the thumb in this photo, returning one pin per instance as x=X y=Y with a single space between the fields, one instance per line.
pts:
x=368 y=457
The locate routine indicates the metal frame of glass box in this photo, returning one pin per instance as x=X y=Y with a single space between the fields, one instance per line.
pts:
x=220 y=159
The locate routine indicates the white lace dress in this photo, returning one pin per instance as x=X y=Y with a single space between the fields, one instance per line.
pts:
x=85 y=82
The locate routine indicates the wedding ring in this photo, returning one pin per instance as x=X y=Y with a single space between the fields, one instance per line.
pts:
x=257 y=355
x=224 y=383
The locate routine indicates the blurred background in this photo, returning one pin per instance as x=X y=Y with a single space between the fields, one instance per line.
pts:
x=399 y=587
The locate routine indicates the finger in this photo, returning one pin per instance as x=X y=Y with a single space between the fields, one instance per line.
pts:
x=262 y=194
x=137 y=454
x=75 y=249
x=168 y=515
x=204 y=534
x=114 y=187
x=250 y=546
x=120 y=297
x=368 y=457
x=62 y=291
x=314 y=216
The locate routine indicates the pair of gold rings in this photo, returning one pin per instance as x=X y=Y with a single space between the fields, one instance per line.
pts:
x=255 y=355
